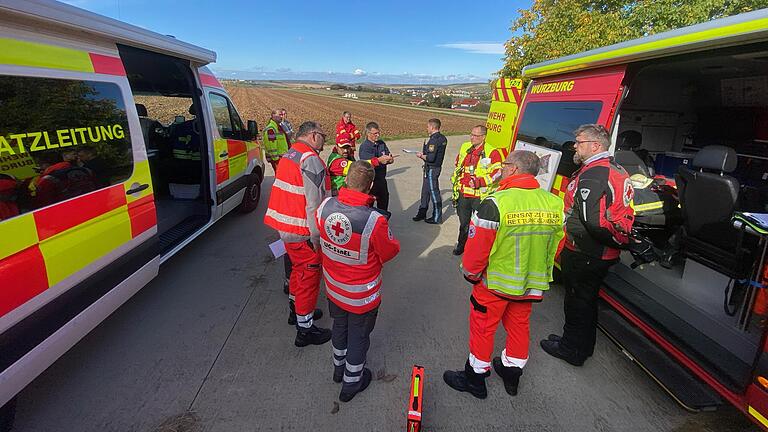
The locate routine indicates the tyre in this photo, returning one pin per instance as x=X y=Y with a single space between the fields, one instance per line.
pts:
x=252 y=193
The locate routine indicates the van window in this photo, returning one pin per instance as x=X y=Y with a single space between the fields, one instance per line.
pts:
x=551 y=124
x=227 y=120
x=59 y=139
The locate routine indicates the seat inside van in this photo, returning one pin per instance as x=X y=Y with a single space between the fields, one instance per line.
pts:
x=702 y=120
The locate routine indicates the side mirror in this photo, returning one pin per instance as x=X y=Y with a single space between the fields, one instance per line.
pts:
x=253 y=129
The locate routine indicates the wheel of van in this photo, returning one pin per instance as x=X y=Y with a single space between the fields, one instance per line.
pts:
x=252 y=194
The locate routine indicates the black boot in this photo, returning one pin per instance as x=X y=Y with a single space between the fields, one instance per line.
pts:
x=510 y=375
x=433 y=221
x=292 y=313
x=468 y=381
x=338 y=373
x=365 y=379
x=555 y=349
x=312 y=336
x=421 y=215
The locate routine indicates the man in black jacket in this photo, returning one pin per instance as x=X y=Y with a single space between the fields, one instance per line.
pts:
x=432 y=154
x=372 y=148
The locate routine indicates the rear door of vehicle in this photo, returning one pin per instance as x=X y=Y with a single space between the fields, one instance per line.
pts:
x=555 y=106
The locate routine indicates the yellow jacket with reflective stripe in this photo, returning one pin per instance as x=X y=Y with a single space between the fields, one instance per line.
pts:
x=482 y=170
x=277 y=147
x=529 y=231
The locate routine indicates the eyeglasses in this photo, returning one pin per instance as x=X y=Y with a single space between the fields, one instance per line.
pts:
x=321 y=134
x=476 y=136
x=584 y=141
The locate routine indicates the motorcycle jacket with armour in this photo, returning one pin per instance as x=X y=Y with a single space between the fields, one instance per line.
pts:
x=301 y=184
x=598 y=212
x=356 y=241
x=513 y=239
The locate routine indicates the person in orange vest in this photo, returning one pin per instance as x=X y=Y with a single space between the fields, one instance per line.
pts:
x=346 y=129
x=356 y=242
x=301 y=183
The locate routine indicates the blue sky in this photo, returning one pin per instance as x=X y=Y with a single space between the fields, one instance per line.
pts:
x=397 y=41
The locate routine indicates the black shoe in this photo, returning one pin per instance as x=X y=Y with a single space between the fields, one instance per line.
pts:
x=365 y=379
x=292 y=314
x=285 y=287
x=557 y=338
x=458 y=251
x=420 y=216
x=338 y=373
x=432 y=221
x=510 y=375
x=554 y=349
x=312 y=336
x=467 y=381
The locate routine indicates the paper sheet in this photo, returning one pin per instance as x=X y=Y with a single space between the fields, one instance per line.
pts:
x=277 y=248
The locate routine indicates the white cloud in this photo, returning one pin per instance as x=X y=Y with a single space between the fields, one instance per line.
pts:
x=477 y=47
x=359 y=72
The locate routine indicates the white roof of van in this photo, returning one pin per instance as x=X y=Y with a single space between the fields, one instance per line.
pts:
x=730 y=31
x=78 y=19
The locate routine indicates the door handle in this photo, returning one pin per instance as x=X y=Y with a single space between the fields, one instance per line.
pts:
x=136 y=188
x=224 y=154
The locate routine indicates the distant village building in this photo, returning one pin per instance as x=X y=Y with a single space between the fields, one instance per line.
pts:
x=465 y=104
x=418 y=101
x=350 y=95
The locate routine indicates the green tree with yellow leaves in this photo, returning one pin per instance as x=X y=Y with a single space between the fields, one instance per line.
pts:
x=554 y=28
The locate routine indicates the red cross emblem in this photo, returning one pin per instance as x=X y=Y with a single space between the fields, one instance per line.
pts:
x=337 y=228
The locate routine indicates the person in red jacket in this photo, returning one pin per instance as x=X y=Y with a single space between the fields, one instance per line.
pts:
x=345 y=129
x=598 y=223
x=356 y=242
x=301 y=184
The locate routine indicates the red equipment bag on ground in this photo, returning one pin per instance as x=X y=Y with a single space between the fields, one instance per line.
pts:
x=415 y=400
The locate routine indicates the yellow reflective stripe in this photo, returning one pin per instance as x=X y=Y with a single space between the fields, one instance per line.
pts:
x=72 y=250
x=675 y=41
x=648 y=206
x=17 y=234
x=237 y=165
x=23 y=53
x=758 y=416
x=141 y=175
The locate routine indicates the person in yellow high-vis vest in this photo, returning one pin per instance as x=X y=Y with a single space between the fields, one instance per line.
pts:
x=477 y=167
x=512 y=242
x=276 y=141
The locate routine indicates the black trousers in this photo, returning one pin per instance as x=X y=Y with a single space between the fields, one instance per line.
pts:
x=464 y=209
x=351 y=338
x=430 y=192
x=582 y=276
x=381 y=191
x=287 y=266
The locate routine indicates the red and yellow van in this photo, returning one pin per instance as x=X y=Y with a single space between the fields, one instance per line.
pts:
x=117 y=148
x=688 y=112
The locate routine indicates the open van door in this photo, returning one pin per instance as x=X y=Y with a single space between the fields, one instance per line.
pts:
x=554 y=107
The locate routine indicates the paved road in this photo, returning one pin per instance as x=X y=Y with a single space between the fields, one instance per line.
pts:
x=206 y=347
